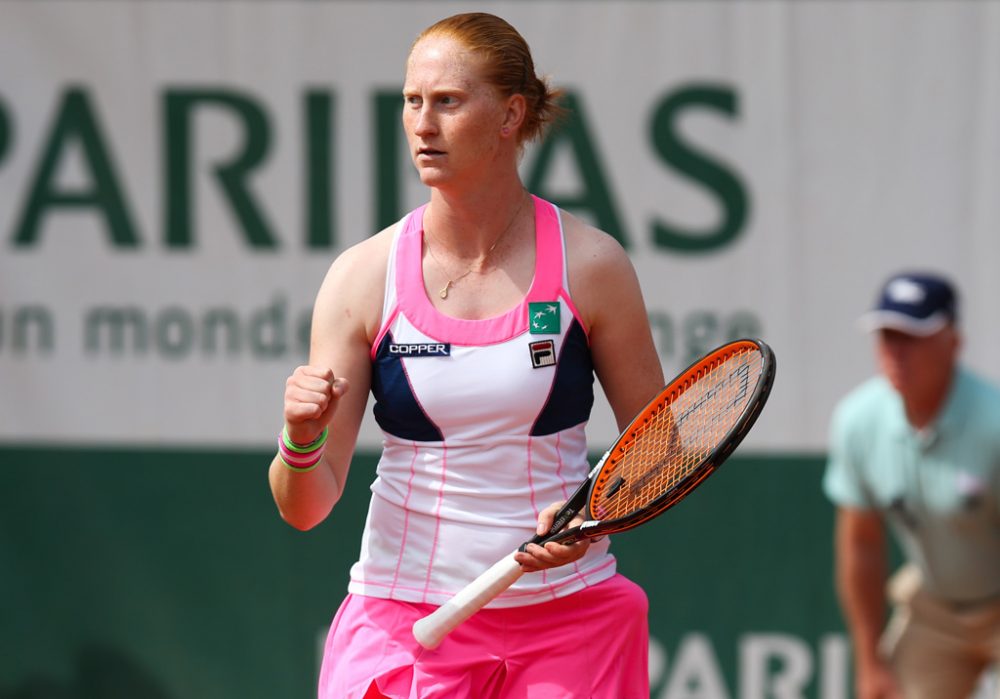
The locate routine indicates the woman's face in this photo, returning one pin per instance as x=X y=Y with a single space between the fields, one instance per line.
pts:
x=451 y=115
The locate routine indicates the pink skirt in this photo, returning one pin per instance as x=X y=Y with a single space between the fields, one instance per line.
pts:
x=592 y=644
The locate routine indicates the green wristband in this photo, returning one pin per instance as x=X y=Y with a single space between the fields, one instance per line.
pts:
x=313 y=446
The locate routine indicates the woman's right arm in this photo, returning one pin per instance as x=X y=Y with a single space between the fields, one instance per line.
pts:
x=332 y=390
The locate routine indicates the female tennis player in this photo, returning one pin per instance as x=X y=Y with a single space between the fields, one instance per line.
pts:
x=478 y=323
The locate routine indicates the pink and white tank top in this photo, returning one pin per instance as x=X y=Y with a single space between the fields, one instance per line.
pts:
x=483 y=424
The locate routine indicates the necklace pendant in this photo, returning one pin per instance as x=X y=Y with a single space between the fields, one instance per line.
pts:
x=444 y=290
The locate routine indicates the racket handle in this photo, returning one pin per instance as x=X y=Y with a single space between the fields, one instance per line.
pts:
x=432 y=629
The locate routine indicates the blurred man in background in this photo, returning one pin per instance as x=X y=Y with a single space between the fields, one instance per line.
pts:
x=918 y=447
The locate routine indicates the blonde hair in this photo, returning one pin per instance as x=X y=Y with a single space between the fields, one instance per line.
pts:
x=508 y=65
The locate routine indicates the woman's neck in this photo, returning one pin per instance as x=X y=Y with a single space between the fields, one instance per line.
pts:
x=470 y=222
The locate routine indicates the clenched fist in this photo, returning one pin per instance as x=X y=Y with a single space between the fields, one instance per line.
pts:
x=311 y=398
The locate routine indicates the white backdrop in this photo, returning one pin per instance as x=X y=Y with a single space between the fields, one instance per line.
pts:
x=864 y=134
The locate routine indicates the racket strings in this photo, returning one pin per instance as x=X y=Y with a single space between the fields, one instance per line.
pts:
x=677 y=435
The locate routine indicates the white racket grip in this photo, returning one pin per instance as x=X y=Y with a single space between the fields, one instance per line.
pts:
x=432 y=629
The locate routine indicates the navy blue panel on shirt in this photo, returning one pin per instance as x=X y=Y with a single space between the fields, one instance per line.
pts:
x=572 y=395
x=396 y=408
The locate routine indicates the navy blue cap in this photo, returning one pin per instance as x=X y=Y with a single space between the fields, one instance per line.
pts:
x=914 y=303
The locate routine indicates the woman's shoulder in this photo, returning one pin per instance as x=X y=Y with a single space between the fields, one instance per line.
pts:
x=591 y=252
x=601 y=277
x=365 y=261
x=354 y=285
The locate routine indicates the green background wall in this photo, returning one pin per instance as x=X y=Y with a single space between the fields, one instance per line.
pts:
x=168 y=574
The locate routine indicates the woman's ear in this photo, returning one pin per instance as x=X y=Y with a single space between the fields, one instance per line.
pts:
x=514 y=116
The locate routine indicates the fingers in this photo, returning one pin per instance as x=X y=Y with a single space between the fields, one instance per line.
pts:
x=551 y=555
x=307 y=393
x=311 y=395
x=340 y=386
x=546 y=517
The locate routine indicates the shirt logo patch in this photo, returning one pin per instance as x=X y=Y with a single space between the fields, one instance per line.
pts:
x=543 y=318
x=420 y=349
x=543 y=353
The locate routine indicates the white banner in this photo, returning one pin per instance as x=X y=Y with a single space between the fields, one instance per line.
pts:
x=176 y=177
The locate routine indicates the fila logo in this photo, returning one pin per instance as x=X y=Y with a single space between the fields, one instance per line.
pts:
x=543 y=353
x=420 y=349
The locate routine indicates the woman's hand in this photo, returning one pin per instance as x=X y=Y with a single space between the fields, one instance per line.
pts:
x=311 y=397
x=552 y=555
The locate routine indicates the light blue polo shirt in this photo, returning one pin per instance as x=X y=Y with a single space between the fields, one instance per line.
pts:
x=938 y=489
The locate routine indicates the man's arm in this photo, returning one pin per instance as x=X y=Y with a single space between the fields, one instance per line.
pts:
x=861 y=570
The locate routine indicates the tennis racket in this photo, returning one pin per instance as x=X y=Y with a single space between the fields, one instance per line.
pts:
x=670 y=447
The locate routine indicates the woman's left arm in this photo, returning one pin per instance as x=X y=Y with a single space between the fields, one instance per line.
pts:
x=606 y=293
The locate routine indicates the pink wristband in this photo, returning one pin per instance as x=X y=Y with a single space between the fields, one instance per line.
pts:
x=299 y=461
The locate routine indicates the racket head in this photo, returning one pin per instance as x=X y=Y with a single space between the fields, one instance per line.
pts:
x=681 y=437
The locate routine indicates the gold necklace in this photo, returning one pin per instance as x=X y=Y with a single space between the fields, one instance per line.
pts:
x=452 y=282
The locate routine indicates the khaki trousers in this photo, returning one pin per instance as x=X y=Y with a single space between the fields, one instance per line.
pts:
x=938 y=650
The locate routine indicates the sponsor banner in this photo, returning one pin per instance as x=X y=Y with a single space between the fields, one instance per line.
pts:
x=175 y=178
